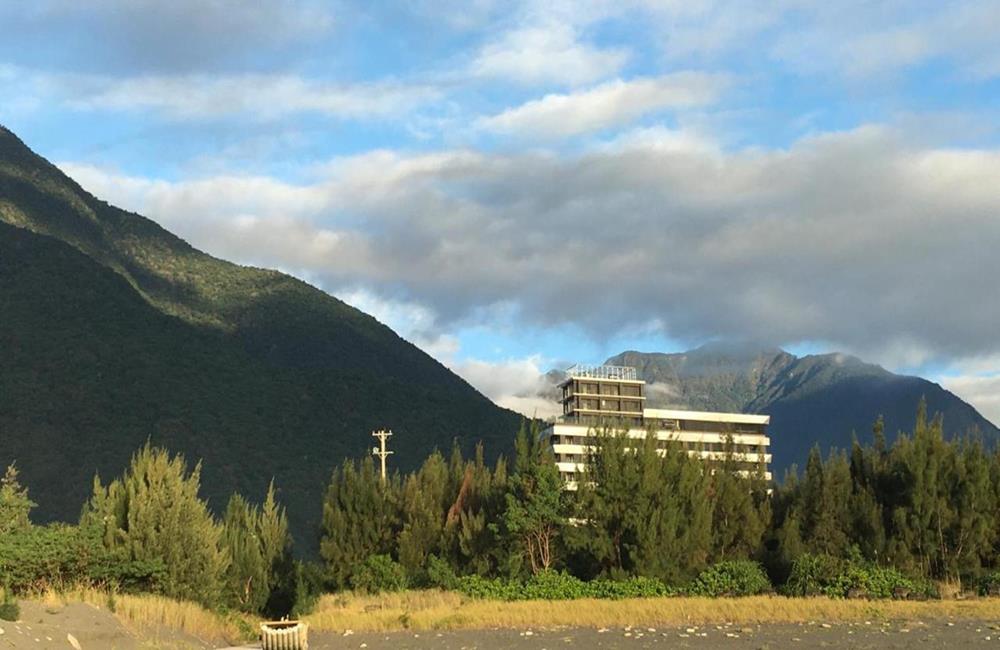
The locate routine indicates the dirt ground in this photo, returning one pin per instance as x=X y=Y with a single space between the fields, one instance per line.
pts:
x=43 y=627
x=875 y=635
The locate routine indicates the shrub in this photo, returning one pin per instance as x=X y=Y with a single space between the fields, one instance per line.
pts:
x=61 y=556
x=829 y=576
x=379 y=573
x=476 y=586
x=989 y=584
x=811 y=575
x=637 y=587
x=731 y=578
x=551 y=585
x=440 y=574
x=9 y=609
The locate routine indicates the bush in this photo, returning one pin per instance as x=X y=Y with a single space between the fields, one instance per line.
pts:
x=9 y=609
x=476 y=586
x=989 y=584
x=638 y=587
x=440 y=574
x=814 y=575
x=550 y=585
x=379 y=573
x=732 y=578
x=61 y=556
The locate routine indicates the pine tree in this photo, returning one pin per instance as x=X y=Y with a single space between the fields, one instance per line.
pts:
x=15 y=506
x=360 y=519
x=153 y=513
x=424 y=509
x=739 y=511
x=535 y=514
x=248 y=578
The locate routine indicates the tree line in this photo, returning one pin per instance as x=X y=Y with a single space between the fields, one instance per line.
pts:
x=647 y=518
x=924 y=508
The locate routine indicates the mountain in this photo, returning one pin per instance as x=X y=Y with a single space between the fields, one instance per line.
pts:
x=114 y=331
x=814 y=399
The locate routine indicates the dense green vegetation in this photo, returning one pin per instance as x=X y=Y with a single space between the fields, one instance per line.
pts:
x=114 y=331
x=149 y=531
x=885 y=521
x=882 y=521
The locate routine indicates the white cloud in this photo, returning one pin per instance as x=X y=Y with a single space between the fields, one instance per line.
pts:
x=547 y=53
x=856 y=238
x=517 y=384
x=983 y=392
x=610 y=104
x=258 y=96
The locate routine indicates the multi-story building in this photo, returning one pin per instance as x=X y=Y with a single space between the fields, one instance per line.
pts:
x=594 y=397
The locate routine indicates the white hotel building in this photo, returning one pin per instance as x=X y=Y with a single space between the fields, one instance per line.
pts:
x=598 y=396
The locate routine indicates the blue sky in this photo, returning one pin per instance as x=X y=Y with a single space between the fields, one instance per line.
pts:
x=518 y=185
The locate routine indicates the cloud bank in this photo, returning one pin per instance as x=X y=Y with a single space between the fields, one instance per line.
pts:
x=855 y=238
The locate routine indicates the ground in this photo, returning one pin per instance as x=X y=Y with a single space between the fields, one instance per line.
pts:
x=873 y=634
x=50 y=627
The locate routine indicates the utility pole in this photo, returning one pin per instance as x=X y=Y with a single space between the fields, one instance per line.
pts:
x=381 y=451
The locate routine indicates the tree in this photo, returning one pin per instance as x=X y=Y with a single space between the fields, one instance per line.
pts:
x=247 y=580
x=360 y=519
x=425 y=501
x=153 y=513
x=535 y=512
x=15 y=506
x=740 y=508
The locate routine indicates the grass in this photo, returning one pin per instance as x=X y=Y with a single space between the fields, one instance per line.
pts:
x=149 y=616
x=438 y=610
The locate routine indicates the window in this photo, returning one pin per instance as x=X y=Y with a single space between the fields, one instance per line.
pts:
x=631 y=390
x=609 y=389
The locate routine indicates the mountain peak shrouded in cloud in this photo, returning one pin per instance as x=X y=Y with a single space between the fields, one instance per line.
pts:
x=525 y=181
x=820 y=399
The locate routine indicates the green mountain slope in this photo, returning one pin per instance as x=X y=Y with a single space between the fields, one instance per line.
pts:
x=814 y=399
x=113 y=330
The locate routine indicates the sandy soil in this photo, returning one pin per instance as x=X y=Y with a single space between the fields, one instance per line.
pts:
x=875 y=635
x=47 y=628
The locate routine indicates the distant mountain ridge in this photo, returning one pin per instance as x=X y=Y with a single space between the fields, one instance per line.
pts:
x=812 y=399
x=114 y=331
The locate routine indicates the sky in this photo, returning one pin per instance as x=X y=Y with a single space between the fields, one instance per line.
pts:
x=515 y=186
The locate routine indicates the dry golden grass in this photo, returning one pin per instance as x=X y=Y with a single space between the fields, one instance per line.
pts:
x=149 y=616
x=437 y=610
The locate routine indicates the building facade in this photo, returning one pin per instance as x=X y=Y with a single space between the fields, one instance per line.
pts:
x=594 y=397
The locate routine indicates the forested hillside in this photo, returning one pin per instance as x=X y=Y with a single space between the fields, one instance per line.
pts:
x=114 y=332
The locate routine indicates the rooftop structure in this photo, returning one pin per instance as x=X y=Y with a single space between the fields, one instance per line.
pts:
x=599 y=396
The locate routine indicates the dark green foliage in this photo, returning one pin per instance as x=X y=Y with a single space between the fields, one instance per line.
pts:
x=154 y=513
x=924 y=505
x=536 y=509
x=440 y=574
x=58 y=556
x=731 y=578
x=989 y=584
x=9 y=609
x=360 y=519
x=114 y=331
x=379 y=573
x=552 y=585
x=816 y=575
